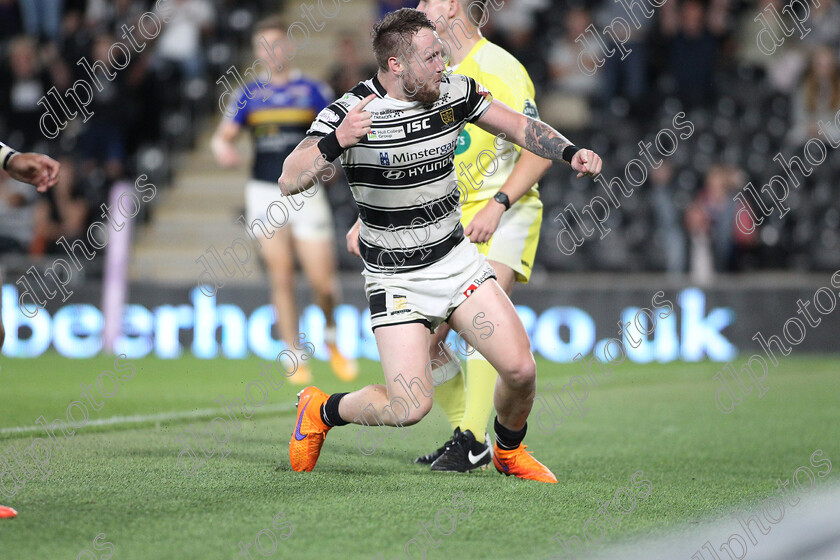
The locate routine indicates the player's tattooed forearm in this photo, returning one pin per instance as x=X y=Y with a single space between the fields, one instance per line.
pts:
x=544 y=141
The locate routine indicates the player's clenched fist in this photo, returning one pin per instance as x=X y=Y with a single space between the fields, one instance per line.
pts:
x=355 y=125
x=586 y=162
x=36 y=169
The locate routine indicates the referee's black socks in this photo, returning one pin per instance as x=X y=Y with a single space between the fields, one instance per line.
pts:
x=508 y=439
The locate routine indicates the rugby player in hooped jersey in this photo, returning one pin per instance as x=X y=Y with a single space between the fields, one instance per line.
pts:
x=420 y=269
x=501 y=214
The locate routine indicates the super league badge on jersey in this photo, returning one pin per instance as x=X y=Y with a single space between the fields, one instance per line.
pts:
x=447 y=116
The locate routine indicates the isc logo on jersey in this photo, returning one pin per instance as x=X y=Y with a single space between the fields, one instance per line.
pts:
x=416 y=126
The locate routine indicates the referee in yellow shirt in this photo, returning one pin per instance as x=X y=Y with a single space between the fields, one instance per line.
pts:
x=501 y=214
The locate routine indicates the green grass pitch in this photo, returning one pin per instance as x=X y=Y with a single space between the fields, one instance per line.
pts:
x=123 y=480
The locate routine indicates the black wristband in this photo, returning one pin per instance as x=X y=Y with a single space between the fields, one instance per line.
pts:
x=330 y=147
x=569 y=152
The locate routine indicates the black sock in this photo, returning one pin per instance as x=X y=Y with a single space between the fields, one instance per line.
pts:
x=508 y=439
x=329 y=411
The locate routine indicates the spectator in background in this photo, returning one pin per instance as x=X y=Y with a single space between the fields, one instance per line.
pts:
x=19 y=98
x=824 y=22
x=42 y=18
x=514 y=29
x=352 y=69
x=626 y=78
x=104 y=135
x=566 y=75
x=784 y=65
x=17 y=205
x=180 y=40
x=10 y=25
x=60 y=212
x=74 y=42
x=692 y=34
x=818 y=97
x=710 y=221
x=111 y=15
x=572 y=91
x=668 y=230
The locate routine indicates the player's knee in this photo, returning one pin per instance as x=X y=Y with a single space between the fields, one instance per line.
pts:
x=282 y=279
x=418 y=413
x=415 y=417
x=523 y=373
x=2 y=335
x=323 y=286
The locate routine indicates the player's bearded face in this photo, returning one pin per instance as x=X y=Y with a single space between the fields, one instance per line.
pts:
x=425 y=67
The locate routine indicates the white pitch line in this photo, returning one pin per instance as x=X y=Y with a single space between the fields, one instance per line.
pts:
x=141 y=418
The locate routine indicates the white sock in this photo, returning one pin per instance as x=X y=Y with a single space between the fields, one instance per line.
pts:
x=446 y=372
x=330 y=335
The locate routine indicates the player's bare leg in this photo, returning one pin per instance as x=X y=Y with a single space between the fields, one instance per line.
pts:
x=404 y=400
x=466 y=399
x=516 y=385
x=277 y=252
x=317 y=259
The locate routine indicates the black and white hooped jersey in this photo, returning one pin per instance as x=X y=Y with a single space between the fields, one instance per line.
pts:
x=402 y=174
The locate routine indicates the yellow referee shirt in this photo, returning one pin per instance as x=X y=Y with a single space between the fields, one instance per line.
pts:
x=508 y=81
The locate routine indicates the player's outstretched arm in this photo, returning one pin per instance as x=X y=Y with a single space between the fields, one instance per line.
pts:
x=309 y=156
x=36 y=169
x=538 y=137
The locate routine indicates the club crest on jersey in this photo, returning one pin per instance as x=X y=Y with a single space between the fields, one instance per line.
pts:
x=447 y=116
x=384 y=159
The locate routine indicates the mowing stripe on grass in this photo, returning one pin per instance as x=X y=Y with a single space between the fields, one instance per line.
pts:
x=145 y=418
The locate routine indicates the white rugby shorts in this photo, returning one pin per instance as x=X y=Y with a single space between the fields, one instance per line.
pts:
x=311 y=221
x=428 y=295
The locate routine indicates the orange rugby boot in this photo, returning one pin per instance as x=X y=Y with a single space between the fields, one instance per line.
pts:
x=310 y=430
x=7 y=512
x=521 y=464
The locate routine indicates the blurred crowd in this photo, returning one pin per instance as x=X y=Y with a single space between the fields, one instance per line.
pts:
x=142 y=118
x=748 y=105
x=696 y=56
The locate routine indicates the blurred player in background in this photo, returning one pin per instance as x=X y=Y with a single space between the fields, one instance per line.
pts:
x=278 y=119
x=501 y=214
x=42 y=172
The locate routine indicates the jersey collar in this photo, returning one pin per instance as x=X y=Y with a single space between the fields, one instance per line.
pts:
x=378 y=86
